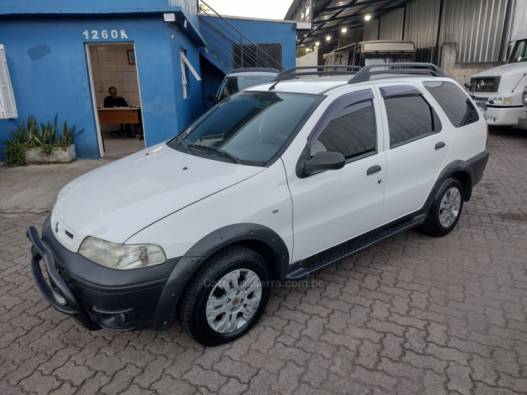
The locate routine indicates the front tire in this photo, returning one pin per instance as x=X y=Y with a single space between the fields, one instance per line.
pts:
x=227 y=297
x=445 y=209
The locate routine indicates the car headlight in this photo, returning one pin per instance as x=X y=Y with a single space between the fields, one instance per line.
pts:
x=121 y=256
x=524 y=98
x=504 y=101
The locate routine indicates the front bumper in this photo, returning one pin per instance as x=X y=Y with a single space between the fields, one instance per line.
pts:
x=504 y=116
x=96 y=296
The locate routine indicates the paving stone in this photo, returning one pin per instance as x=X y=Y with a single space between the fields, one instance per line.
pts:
x=413 y=315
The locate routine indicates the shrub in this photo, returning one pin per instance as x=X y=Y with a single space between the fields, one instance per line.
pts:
x=32 y=134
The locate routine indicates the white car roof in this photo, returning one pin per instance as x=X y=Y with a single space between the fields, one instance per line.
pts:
x=317 y=86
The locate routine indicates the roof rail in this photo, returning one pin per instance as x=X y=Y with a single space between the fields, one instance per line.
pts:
x=255 y=69
x=417 y=68
x=321 y=70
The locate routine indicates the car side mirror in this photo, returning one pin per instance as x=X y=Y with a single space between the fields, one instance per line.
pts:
x=212 y=98
x=324 y=160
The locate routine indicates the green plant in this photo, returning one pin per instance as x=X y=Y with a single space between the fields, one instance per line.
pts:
x=15 y=154
x=32 y=134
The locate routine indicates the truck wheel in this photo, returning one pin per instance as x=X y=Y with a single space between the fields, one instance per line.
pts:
x=226 y=298
x=445 y=209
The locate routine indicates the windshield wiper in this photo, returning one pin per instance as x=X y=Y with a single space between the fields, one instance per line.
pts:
x=209 y=148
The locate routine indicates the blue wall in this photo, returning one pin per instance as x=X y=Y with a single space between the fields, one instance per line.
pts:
x=48 y=68
x=45 y=48
x=257 y=31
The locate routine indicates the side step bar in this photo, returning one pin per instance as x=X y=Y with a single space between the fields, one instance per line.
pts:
x=335 y=254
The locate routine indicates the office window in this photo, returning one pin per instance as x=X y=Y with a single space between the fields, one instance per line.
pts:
x=410 y=117
x=261 y=55
x=352 y=132
x=454 y=102
x=7 y=98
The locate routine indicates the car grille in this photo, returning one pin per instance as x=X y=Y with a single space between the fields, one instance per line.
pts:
x=484 y=84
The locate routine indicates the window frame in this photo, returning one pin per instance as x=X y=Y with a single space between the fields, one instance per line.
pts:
x=463 y=92
x=407 y=90
x=335 y=108
x=186 y=66
x=8 y=107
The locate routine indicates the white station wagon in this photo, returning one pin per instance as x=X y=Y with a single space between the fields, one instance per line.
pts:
x=273 y=183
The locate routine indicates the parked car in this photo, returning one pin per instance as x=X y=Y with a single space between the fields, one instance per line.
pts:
x=498 y=91
x=240 y=79
x=274 y=183
x=372 y=52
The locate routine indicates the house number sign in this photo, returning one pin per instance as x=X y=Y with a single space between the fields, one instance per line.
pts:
x=112 y=34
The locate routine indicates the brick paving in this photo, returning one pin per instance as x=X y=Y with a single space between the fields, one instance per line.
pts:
x=414 y=315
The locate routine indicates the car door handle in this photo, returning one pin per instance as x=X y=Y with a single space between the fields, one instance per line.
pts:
x=440 y=145
x=374 y=169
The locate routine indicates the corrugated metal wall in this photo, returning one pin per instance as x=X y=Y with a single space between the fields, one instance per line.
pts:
x=477 y=28
x=371 y=30
x=392 y=25
x=422 y=18
x=519 y=24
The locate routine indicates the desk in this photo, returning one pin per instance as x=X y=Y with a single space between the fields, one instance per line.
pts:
x=119 y=115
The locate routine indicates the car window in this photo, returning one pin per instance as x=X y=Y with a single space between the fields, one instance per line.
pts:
x=410 y=116
x=456 y=105
x=249 y=127
x=351 y=132
x=238 y=83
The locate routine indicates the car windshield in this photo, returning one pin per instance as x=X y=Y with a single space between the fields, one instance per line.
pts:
x=238 y=83
x=249 y=128
x=519 y=53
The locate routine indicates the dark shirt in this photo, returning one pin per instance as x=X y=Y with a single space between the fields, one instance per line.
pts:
x=109 y=101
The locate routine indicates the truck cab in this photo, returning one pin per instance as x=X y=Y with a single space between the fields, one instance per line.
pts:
x=499 y=91
x=366 y=53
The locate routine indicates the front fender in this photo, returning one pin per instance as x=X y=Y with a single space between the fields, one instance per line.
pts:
x=205 y=248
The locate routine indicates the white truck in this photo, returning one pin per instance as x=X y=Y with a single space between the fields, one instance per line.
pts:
x=499 y=91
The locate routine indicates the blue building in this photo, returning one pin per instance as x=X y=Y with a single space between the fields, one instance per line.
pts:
x=162 y=56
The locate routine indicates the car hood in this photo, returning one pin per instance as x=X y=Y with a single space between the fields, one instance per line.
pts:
x=506 y=69
x=117 y=200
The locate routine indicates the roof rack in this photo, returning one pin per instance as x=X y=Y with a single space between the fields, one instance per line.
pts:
x=416 y=68
x=251 y=69
x=322 y=70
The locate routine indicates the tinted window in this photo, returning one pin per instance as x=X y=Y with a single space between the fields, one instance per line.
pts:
x=235 y=84
x=456 y=105
x=410 y=117
x=519 y=53
x=250 y=127
x=352 y=132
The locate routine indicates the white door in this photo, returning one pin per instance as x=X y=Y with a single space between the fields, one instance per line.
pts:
x=417 y=150
x=334 y=206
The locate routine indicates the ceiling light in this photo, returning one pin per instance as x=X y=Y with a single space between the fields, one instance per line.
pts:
x=367 y=17
x=328 y=38
x=344 y=30
x=317 y=43
x=308 y=49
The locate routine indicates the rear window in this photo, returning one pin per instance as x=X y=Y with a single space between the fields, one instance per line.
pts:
x=456 y=105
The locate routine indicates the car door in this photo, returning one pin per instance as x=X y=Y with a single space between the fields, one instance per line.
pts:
x=416 y=152
x=333 y=206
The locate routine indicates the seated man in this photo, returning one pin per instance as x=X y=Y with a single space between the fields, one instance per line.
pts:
x=113 y=100
x=117 y=101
